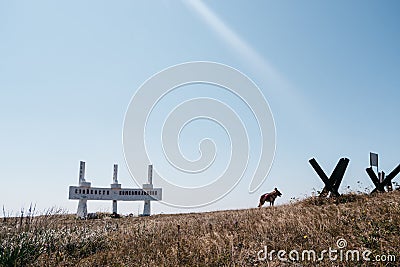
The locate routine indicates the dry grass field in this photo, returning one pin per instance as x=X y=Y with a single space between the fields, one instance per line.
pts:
x=224 y=238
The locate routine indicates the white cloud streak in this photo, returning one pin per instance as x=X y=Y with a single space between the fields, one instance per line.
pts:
x=275 y=85
x=269 y=74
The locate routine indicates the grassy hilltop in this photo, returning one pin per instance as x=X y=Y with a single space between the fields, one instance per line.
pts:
x=223 y=238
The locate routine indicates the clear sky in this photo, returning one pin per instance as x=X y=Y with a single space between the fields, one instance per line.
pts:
x=330 y=71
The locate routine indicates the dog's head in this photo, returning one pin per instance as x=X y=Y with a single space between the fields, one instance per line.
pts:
x=277 y=192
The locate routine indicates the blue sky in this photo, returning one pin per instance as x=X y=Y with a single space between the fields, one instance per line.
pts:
x=68 y=69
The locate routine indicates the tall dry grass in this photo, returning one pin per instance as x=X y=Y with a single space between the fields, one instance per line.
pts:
x=225 y=238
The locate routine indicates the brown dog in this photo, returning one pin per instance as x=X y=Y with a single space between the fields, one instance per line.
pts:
x=270 y=197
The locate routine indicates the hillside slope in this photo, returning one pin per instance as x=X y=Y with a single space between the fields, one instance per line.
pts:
x=225 y=238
